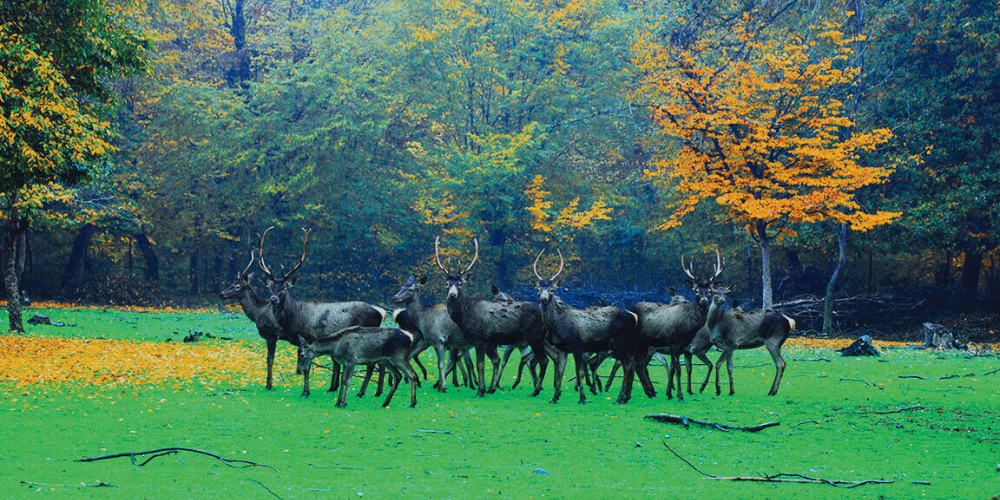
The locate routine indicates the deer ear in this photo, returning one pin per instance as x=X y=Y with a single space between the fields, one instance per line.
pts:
x=736 y=303
x=302 y=341
x=558 y=283
x=534 y=283
x=672 y=291
x=423 y=280
x=292 y=282
x=690 y=284
x=251 y=276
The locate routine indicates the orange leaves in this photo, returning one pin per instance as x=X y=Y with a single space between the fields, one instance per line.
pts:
x=106 y=363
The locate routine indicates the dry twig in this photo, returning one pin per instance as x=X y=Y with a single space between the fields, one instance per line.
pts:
x=99 y=484
x=685 y=421
x=782 y=477
x=900 y=410
x=159 y=452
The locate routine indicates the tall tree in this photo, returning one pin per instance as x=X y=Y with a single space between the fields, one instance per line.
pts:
x=761 y=132
x=57 y=60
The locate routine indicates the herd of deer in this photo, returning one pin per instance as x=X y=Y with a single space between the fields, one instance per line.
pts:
x=351 y=332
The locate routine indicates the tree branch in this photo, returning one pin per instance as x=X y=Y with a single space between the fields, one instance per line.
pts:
x=685 y=421
x=159 y=452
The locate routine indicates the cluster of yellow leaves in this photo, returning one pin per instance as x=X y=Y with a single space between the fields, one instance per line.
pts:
x=759 y=133
x=107 y=363
x=569 y=218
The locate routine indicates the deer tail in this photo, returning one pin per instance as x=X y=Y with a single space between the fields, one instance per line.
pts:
x=381 y=312
x=791 y=322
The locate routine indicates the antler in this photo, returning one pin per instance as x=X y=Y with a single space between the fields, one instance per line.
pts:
x=305 y=247
x=561 y=265
x=243 y=274
x=475 y=258
x=535 y=267
x=689 y=273
x=718 y=265
x=260 y=250
x=437 y=255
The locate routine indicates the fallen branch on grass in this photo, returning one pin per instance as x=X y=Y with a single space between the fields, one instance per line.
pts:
x=262 y=485
x=159 y=452
x=781 y=477
x=685 y=421
x=100 y=484
x=429 y=431
x=991 y=372
x=900 y=410
x=873 y=384
x=913 y=376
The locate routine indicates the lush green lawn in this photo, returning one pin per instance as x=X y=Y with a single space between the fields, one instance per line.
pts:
x=507 y=444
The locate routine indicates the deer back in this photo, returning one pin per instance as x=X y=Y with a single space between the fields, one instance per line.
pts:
x=363 y=345
x=740 y=330
x=590 y=329
x=312 y=320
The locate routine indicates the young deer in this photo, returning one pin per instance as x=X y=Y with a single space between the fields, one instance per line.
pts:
x=487 y=324
x=311 y=320
x=732 y=330
x=579 y=331
x=364 y=345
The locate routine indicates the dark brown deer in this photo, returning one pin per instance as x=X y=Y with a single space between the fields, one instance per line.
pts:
x=436 y=326
x=732 y=330
x=579 y=331
x=311 y=320
x=259 y=311
x=487 y=324
x=670 y=327
x=363 y=345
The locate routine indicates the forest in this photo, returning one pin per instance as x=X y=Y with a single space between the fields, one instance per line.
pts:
x=842 y=157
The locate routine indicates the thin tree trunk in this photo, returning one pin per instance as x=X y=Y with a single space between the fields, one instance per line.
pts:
x=149 y=255
x=831 y=287
x=971 y=269
x=765 y=265
x=11 y=276
x=80 y=246
x=193 y=273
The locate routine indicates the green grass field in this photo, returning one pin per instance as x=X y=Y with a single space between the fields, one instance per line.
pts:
x=506 y=445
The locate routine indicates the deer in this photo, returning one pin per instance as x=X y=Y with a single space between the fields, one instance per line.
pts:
x=311 y=320
x=437 y=327
x=670 y=327
x=579 y=331
x=259 y=311
x=732 y=330
x=487 y=324
x=363 y=345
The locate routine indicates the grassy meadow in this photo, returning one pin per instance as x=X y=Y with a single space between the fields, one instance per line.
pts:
x=122 y=381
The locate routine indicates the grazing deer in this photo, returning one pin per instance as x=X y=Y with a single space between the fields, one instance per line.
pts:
x=311 y=320
x=363 y=345
x=670 y=327
x=259 y=311
x=578 y=331
x=732 y=330
x=438 y=330
x=487 y=324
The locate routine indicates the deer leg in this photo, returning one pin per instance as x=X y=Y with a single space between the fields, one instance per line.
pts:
x=272 y=344
x=395 y=384
x=628 y=376
x=334 y=375
x=687 y=363
x=557 y=382
x=418 y=347
x=506 y=356
x=305 y=381
x=441 y=353
x=345 y=379
x=416 y=359
x=708 y=362
x=675 y=370
x=718 y=370
x=642 y=371
x=580 y=360
x=381 y=379
x=611 y=377
x=520 y=370
x=593 y=365
x=779 y=365
x=480 y=372
x=369 y=369
x=497 y=369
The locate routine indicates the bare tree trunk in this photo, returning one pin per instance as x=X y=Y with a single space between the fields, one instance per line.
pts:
x=971 y=269
x=11 y=275
x=193 y=272
x=80 y=246
x=149 y=255
x=765 y=265
x=831 y=287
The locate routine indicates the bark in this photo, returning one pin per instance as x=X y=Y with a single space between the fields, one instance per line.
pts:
x=80 y=247
x=831 y=287
x=765 y=265
x=193 y=273
x=971 y=269
x=149 y=255
x=15 y=231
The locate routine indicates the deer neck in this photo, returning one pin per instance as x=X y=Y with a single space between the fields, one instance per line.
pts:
x=253 y=306
x=713 y=315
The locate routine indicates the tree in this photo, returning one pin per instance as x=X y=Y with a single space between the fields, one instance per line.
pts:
x=761 y=132
x=55 y=65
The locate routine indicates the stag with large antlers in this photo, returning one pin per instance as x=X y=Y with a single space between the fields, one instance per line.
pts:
x=487 y=324
x=579 y=331
x=671 y=328
x=311 y=320
x=259 y=311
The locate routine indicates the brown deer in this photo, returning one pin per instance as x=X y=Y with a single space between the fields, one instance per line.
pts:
x=438 y=330
x=259 y=311
x=732 y=330
x=311 y=320
x=363 y=345
x=487 y=324
x=670 y=327
x=579 y=331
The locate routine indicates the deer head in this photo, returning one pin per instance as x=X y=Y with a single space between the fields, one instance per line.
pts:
x=306 y=355
x=547 y=287
x=703 y=288
x=408 y=292
x=279 y=286
x=455 y=281
x=242 y=282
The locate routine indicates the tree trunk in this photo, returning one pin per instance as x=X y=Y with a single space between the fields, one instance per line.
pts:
x=971 y=269
x=193 y=273
x=831 y=287
x=11 y=275
x=149 y=255
x=80 y=246
x=765 y=265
